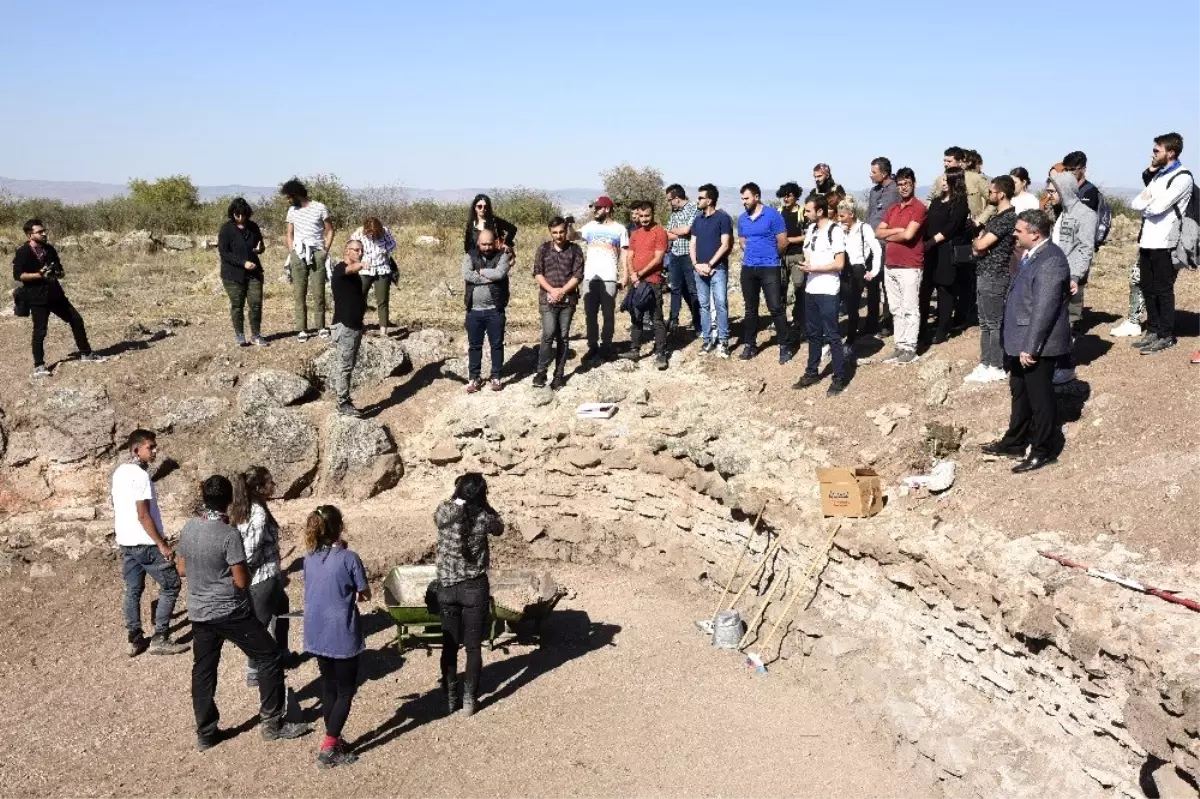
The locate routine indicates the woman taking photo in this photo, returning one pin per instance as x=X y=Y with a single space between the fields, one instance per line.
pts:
x=334 y=581
x=378 y=244
x=1023 y=200
x=239 y=244
x=260 y=538
x=479 y=218
x=464 y=523
x=947 y=227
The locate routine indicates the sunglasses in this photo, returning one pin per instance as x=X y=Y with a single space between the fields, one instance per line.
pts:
x=481 y=206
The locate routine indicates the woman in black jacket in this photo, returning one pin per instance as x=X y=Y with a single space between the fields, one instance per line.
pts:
x=947 y=227
x=239 y=243
x=480 y=217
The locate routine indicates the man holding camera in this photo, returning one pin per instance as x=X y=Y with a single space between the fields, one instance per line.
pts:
x=37 y=268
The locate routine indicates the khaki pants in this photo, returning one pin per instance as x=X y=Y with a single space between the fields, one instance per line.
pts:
x=383 y=286
x=347 y=342
x=308 y=283
x=904 y=298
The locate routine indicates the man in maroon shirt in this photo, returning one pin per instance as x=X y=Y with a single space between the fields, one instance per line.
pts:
x=647 y=248
x=904 y=259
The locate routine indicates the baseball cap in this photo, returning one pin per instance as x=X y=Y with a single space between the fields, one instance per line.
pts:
x=603 y=201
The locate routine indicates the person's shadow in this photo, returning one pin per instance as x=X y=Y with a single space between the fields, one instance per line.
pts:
x=420 y=379
x=568 y=634
x=520 y=365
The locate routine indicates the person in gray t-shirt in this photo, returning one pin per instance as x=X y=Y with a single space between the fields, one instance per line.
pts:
x=210 y=555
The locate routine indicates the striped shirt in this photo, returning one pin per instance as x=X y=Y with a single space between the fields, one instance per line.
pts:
x=375 y=252
x=308 y=226
x=682 y=218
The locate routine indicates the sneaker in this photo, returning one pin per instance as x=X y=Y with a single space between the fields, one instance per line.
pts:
x=40 y=371
x=836 y=387
x=240 y=340
x=1063 y=376
x=497 y=385
x=807 y=380
x=1145 y=341
x=137 y=646
x=661 y=362
x=748 y=352
x=995 y=374
x=786 y=353
x=708 y=346
x=346 y=409
x=303 y=336
x=259 y=341
x=163 y=645
x=91 y=357
x=723 y=349
x=539 y=380
x=558 y=382
x=1126 y=329
x=895 y=356
x=1158 y=345
x=907 y=357
x=283 y=731
x=977 y=375
x=473 y=385
x=337 y=755
x=323 y=332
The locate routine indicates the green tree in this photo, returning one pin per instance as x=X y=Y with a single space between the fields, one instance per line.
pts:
x=627 y=184
x=176 y=193
x=525 y=207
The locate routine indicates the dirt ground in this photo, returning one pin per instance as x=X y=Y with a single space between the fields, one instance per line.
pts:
x=625 y=698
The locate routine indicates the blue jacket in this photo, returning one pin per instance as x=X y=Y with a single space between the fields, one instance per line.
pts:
x=1035 y=313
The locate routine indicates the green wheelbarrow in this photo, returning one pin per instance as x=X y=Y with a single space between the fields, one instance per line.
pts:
x=517 y=596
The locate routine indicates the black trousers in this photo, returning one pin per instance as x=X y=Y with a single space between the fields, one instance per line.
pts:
x=465 y=609
x=655 y=314
x=766 y=279
x=1033 y=419
x=339 y=683
x=249 y=635
x=966 y=312
x=61 y=307
x=1158 y=275
x=874 y=292
x=853 y=279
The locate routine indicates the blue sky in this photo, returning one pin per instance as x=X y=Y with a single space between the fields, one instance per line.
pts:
x=547 y=94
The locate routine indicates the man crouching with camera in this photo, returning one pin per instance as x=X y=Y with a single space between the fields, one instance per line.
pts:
x=37 y=268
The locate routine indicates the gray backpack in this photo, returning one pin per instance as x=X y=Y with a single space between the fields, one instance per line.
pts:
x=1187 y=250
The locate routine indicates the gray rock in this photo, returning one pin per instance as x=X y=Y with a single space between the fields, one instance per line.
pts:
x=360 y=458
x=444 y=453
x=378 y=359
x=442 y=291
x=937 y=392
x=68 y=244
x=933 y=370
x=103 y=238
x=609 y=389
x=272 y=389
x=192 y=413
x=568 y=530
x=281 y=439
x=583 y=458
x=540 y=397
x=531 y=529
x=174 y=241
x=139 y=241
x=74 y=423
x=426 y=345
x=40 y=571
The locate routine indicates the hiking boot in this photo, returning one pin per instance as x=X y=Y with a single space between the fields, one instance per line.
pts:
x=40 y=371
x=807 y=380
x=137 y=645
x=91 y=357
x=1158 y=345
x=281 y=731
x=346 y=409
x=661 y=362
x=469 y=699
x=539 y=380
x=163 y=645
x=723 y=350
x=558 y=382
x=473 y=385
x=337 y=755
x=786 y=353
x=836 y=387
x=748 y=352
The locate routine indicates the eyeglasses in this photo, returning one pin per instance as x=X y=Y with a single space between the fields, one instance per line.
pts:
x=481 y=206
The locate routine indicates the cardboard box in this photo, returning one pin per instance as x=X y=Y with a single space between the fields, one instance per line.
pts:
x=854 y=492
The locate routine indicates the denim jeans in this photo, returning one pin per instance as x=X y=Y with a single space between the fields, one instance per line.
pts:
x=766 y=279
x=714 y=291
x=308 y=283
x=347 y=341
x=489 y=322
x=136 y=563
x=268 y=603
x=992 y=291
x=556 y=330
x=464 y=608
x=682 y=277
x=243 y=297
x=821 y=315
x=248 y=635
x=599 y=297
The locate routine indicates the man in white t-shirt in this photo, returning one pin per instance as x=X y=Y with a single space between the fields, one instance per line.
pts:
x=606 y=250
x=309 y=239
x=824 y=259
x=144 y=548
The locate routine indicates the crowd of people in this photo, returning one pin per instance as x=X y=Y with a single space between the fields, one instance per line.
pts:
x=229 y=554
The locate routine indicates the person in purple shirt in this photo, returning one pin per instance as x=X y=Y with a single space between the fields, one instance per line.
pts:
x=334 y=581
x=763 y=234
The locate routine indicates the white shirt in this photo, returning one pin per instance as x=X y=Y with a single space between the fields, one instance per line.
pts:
x=131 y=484
x=1025 y=202
x=602 y=249
x=860 y=240
x=308 y=226
x=375 y=252
x=1158 y=204
x=821 y=247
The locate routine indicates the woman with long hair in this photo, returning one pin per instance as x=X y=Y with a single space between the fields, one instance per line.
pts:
x=378 y=270
x=480 y=217
x=239 y=243
x=464 y=523
x=334 y=582
x=1023 y=200
x=947 y=227
x=260 y=539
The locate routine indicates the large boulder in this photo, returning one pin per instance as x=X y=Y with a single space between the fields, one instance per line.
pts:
x=175 y=241
x=360 y=458
x=138 y=241
x=281 y=439
x=272 y=389
x=378 y=359
x=193 y=413
x=426 y=345
x=72 y=423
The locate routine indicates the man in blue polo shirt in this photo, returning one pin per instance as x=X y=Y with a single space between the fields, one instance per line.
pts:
x=763 y=235
x=711 y=243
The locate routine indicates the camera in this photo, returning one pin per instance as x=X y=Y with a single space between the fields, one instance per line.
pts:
x=52 y=271
x=570 y=220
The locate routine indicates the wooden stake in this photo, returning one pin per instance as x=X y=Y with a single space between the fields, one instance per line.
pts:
x=796 y=593
x=738 y=565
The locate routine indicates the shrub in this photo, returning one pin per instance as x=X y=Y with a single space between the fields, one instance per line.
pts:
x=627 y=184
x=524 y=207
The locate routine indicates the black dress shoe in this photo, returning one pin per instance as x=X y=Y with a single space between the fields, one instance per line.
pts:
x=1004 y=450
x=1033 y=463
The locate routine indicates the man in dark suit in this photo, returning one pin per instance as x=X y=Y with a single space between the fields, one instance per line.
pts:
x=1035 y=331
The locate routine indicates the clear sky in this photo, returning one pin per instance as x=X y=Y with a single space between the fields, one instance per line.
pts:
x=547 y=94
